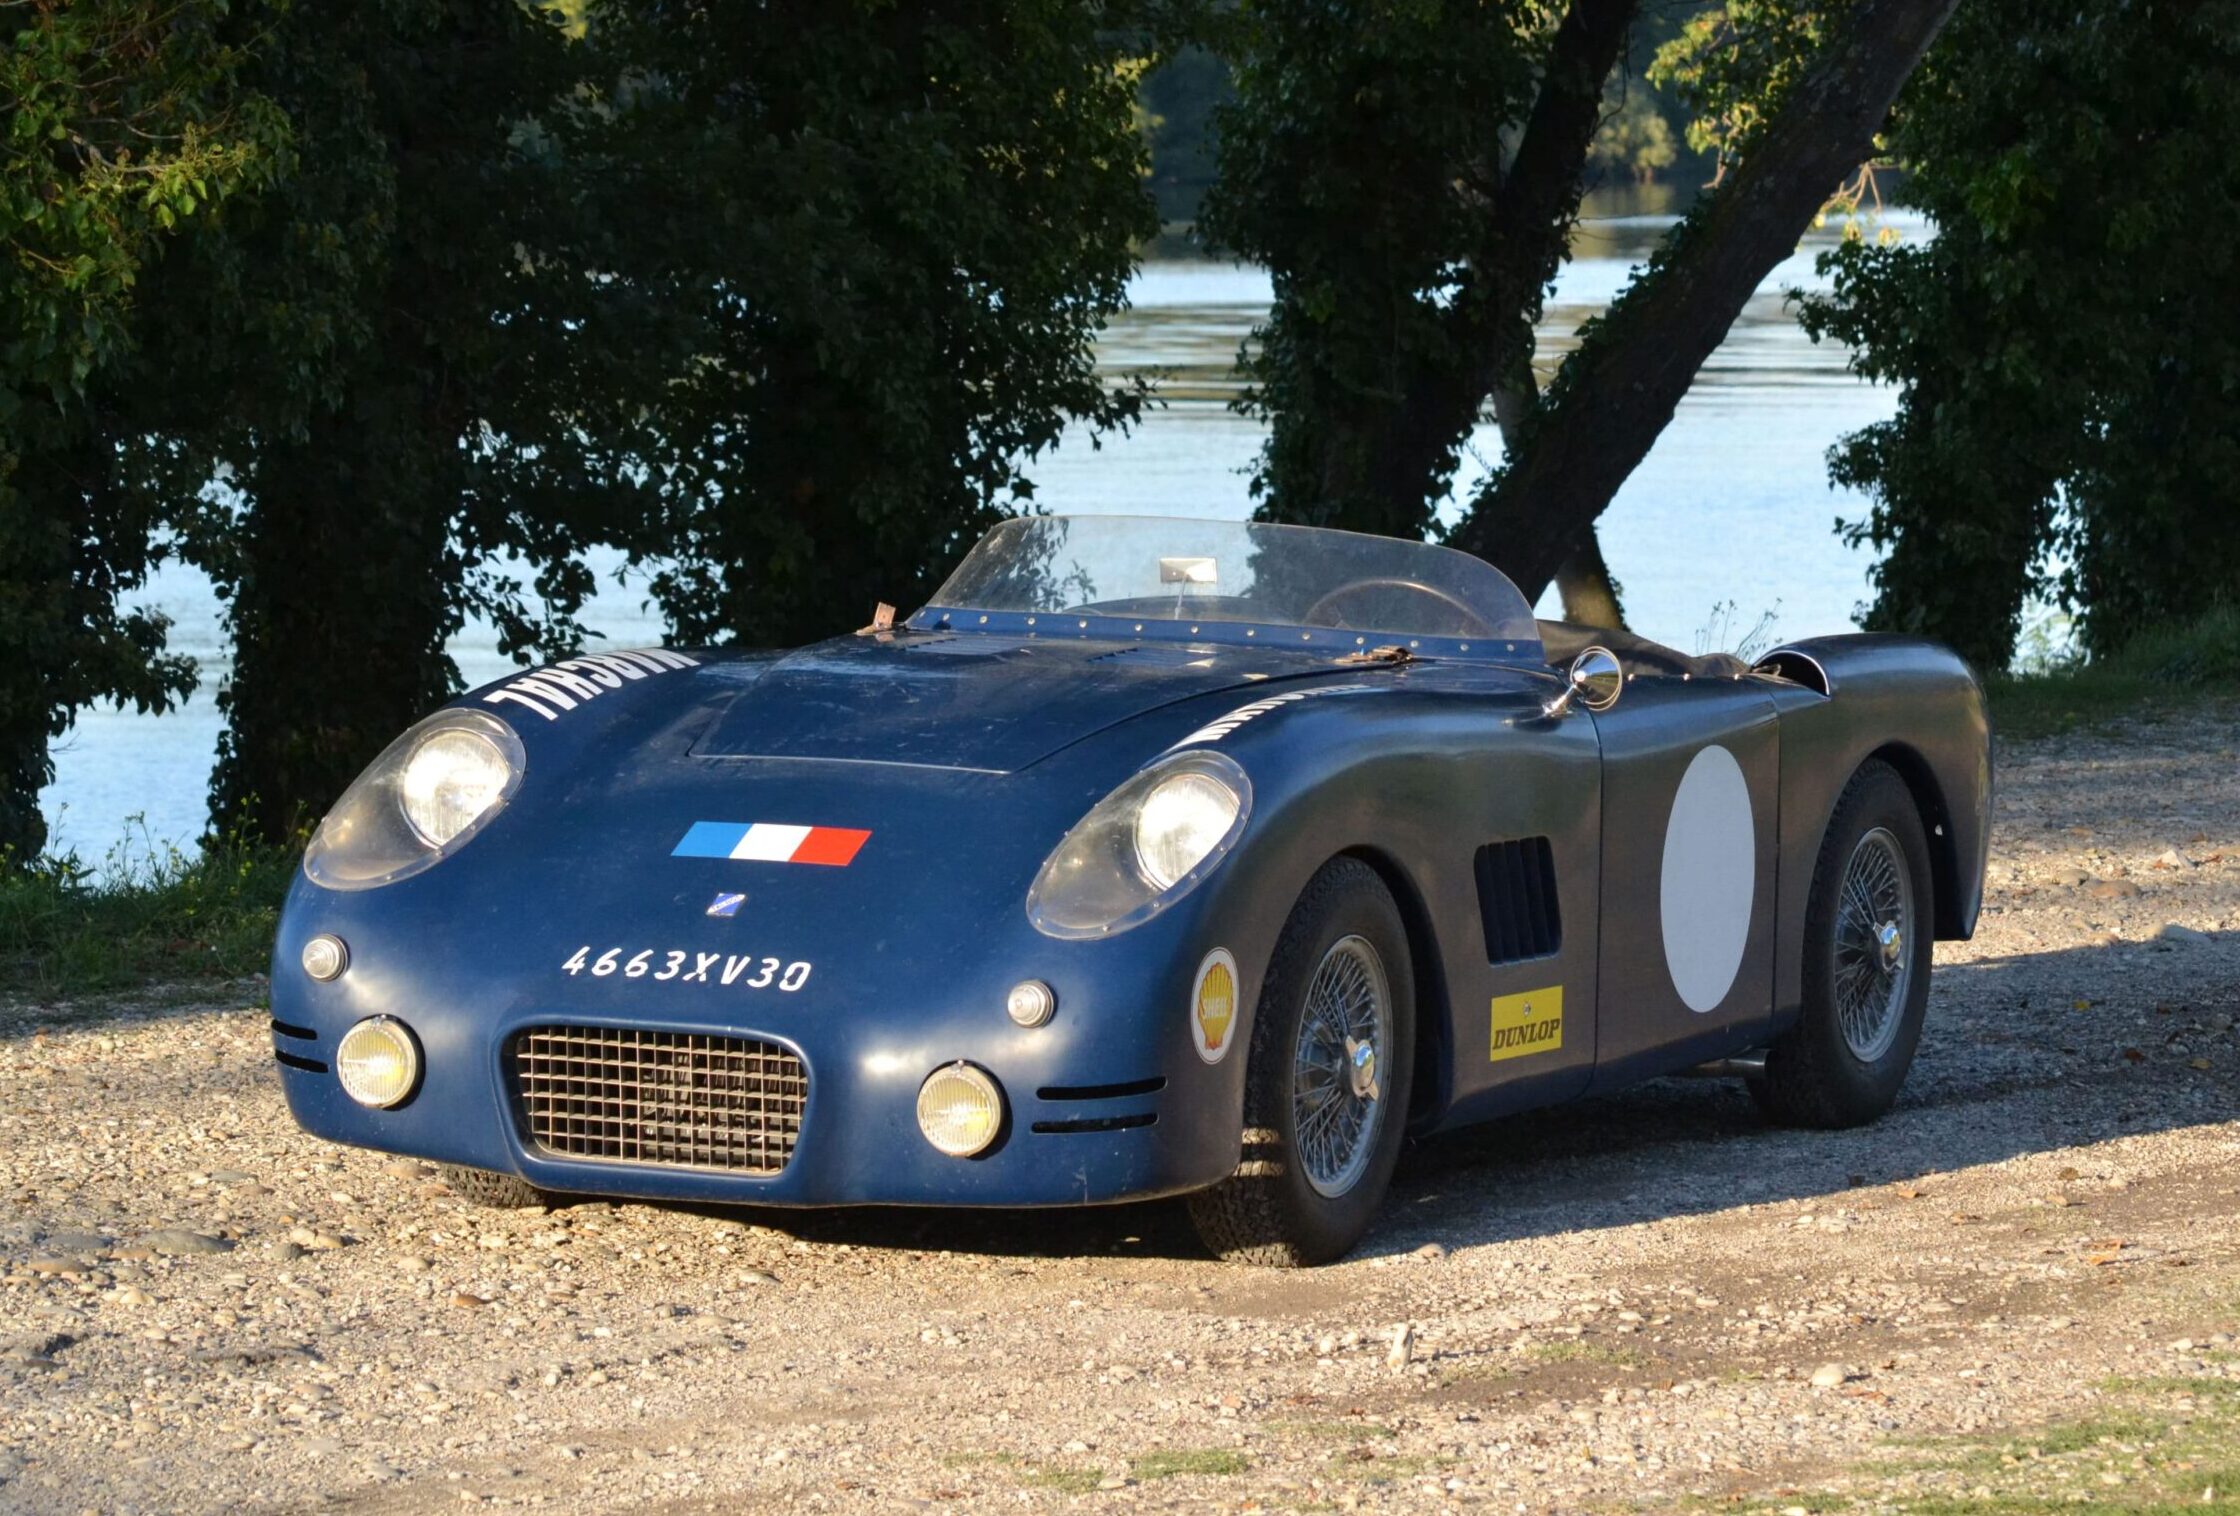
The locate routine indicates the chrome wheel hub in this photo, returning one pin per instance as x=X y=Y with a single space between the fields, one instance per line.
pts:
x=1874 y=918
x=1337 y=1105
x=1361 y=1068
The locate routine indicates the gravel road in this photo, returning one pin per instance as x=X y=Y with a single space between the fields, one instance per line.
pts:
x=1622 y=1304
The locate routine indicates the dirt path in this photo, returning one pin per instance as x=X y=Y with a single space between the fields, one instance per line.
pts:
x=1621 y=1304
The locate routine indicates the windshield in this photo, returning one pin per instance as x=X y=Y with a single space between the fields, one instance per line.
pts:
x=1145 y=568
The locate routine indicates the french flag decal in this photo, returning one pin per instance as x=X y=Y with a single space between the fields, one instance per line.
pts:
x=771 y=842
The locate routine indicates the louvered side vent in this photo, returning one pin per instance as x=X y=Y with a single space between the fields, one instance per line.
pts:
x=1517 y=898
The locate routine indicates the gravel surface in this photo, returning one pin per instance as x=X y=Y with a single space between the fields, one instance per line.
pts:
x=1619 y=1304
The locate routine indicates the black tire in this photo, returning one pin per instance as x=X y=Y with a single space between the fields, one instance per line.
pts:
x=499 y=1192
x=1815 y=1076
x=1269 y=1212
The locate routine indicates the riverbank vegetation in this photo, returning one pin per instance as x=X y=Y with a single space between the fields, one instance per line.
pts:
x=384 y=313
x=147 y=915
x=2162 y=669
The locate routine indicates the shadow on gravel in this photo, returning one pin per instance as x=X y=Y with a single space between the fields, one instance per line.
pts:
x=2009 y=1067
x=23 y=1016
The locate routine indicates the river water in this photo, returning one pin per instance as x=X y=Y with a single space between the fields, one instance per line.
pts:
x=1731 y=510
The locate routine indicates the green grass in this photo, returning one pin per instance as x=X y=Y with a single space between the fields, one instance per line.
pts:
x=1066 y=1479
x=1168 y=1463
x=1573 y=1350
x=1334 y=1431
x=150 y=915
x=2171 y=668
x=2166 y=1453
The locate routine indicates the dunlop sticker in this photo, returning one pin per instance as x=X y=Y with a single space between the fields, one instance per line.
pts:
x=1213 y=1005
x=1527 y=1024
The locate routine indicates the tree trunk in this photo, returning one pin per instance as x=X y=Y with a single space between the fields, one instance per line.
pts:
x=1590 y=595
x=1527 y=231
x=1618 y=391
x=340 y=611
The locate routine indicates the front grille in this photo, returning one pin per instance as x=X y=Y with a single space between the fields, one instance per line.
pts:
x=681 y=1099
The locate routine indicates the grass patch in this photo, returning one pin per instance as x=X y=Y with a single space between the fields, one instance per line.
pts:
x=2174 y=1447
x=1066 y=1479
x=150 y=914
x=1169 y=1463
x=1573 y=1350
x=2154 y=671
x=1333 y=1431
x=1389 y=1470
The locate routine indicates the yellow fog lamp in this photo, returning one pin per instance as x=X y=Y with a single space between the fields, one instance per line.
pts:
x=960 y=1110
x=378 y=1062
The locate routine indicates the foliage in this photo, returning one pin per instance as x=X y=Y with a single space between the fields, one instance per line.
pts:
x=1734 y=64
x=1634 y=139
x=889 y=233
x=149 y=915
x=1179 y=101
x=122 y=121
x=398 y=364
x=2170 y=667
x=2069 y=409
x=1367 y=142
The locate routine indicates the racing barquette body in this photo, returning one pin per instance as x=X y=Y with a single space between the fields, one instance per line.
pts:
x=1152 y=857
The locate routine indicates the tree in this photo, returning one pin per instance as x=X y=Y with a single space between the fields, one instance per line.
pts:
x=123 y=119
x=1619 y=388
x=2068 y=421
x=890 y=232
x=395 y=384
x=1411 y=170
x=1408 y=171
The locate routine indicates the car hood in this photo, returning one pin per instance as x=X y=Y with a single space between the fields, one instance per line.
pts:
x=972 y=701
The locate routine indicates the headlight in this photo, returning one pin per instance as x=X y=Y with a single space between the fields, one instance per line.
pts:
x=419 y=802
x=1183 y=818
x=960 y=1110
x=378 y=1062
x=452 y=777
x=1143 y=847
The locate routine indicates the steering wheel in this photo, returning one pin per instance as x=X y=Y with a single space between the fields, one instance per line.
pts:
x=1474 y=625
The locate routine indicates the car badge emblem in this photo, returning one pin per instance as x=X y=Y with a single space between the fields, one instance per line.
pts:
x=726 y=903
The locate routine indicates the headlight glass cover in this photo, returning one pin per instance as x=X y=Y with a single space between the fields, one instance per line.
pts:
x=1143 y=847
x=428 y=793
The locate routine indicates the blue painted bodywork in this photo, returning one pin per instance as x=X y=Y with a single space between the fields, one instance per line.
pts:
x=967 y=751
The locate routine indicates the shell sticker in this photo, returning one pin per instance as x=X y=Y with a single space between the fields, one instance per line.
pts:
x=1213 y=1005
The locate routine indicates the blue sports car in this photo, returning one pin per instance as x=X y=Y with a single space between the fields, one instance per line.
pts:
x=1153 y=857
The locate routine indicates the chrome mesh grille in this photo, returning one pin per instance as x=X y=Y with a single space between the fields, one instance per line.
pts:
x=675 y=1098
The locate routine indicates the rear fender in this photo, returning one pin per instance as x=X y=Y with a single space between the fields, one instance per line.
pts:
x=1911 y=703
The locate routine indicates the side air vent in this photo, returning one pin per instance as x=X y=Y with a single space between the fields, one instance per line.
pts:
x=1517 y=899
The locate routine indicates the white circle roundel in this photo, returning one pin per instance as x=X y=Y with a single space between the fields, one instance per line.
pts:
x=1710 y=878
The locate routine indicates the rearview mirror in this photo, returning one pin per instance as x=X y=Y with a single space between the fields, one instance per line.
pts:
x=1595 y=681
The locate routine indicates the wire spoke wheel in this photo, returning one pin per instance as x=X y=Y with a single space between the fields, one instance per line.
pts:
x=1874 y=928
x=1345 y=1035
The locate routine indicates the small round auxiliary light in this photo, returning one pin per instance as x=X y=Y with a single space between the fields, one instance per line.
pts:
x=1031 y=1002
x=325 y=957
x=960 y=1110
x=378 y=1062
